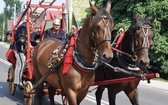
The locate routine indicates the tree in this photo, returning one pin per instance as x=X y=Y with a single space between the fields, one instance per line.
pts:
x=9 y=7
x=8 y=12
x=2 y=15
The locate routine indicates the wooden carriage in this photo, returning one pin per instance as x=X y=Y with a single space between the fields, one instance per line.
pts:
x=37 y=17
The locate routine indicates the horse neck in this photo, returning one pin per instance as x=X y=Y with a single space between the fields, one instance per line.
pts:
x=127 y=43
x=85 y=43
x=126 y=47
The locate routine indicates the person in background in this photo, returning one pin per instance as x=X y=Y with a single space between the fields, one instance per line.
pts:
x=9 y=36
x=18 y=47
x=10 y=56
x=19 y=50
x=55 y=31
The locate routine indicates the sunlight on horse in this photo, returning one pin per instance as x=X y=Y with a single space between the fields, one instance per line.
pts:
x=92 y=46
x=135 y=46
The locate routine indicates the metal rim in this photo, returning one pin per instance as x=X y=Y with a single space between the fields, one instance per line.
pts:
x=11 y=85
x=27 y=89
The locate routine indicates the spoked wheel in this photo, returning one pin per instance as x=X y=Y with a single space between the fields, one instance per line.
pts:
x=28 y=98
x=10 y=81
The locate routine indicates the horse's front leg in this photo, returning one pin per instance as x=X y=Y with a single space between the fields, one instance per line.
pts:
x=51 y=90
x=111 y=94
x=72 y=97
x=98 y=94
x=133 y=96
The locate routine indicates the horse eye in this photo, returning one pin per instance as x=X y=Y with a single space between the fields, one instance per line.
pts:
x=139 y=28
x=98 y=27
x=136 y=34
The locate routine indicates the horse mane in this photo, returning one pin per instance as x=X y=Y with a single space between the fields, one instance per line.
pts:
x=91 y=19
x=137 y=23
x=102 y=12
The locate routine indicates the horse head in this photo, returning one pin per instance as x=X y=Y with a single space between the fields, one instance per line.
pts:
x=142 y=35
x=99 y=29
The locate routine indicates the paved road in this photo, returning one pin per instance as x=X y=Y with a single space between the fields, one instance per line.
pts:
x=155 y=93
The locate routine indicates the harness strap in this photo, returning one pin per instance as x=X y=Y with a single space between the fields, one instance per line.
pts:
x=80 y=68
x=47 y=74
x=80 y=64
x=117 y=69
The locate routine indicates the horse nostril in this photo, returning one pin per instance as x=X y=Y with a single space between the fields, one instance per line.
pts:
x=107 y=58
x=142 y=64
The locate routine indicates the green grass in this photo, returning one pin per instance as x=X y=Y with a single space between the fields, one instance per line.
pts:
x=160 y=79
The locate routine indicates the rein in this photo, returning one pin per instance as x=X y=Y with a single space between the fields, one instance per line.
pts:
x=90 y=48
x=117 y=69
x=133 y=57
x=122 y=52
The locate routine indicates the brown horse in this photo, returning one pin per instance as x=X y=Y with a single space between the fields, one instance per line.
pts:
x=135 y=43
x=93 y=41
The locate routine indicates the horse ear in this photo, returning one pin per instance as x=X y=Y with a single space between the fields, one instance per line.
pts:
x=135 y=16
x=108 y=6
x=93 y=8
x=152 y=19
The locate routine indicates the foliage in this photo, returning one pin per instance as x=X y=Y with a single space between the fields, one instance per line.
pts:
x=1 y=21
x=8 y=12
x=9 y=7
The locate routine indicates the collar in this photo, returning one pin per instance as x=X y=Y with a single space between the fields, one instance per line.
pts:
x=81 y=65
x=126 y=65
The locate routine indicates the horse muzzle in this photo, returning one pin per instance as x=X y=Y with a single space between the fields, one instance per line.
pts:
x=106 y=57
x=143 y=64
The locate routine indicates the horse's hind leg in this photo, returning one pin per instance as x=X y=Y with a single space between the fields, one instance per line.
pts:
x=51 y=90
x=133 y=96
x=98 y=94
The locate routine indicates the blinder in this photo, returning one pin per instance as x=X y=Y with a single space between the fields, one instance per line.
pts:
x=107 y=32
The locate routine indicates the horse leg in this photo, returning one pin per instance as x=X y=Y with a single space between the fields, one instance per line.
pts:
x=111 y=95
x=71 y=96
x=39 y=94
x=98 y=94
x=133 y=96
x=51 y=91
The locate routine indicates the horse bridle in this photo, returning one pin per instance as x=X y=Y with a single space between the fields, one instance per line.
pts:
x=107 y=31
x=94 y=49
x=145 y=44
x=145 y=37
x=102 y=41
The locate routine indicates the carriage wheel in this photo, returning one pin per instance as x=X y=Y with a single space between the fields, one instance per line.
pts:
x=10 y=80
x=28 y=98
